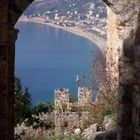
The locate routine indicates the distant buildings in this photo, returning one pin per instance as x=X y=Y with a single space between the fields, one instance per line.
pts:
x=94 y=20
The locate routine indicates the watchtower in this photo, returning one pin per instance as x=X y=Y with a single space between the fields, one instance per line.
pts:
x=85 y=95
x=61 y=97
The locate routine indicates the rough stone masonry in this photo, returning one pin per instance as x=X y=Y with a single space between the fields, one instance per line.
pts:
x=66 y=119
x=127 y=28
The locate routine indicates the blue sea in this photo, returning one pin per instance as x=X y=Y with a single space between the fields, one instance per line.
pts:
x=48 y=58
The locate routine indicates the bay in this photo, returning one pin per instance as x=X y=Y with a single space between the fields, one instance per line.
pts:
x=48 y=58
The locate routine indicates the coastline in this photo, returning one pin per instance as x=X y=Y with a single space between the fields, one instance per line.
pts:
x=99 y=41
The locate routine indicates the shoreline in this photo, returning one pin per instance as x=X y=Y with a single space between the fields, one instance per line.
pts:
x=99 y=41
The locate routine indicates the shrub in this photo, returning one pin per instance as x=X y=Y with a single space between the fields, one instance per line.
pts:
x=61 y=138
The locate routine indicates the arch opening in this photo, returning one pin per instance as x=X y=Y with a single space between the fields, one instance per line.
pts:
x=45 y=18
x=128 y=128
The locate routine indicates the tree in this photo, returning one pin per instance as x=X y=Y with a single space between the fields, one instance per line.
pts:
x=73 y=98
x=106 y=97
x=27 y=99
x=43 y=107
x=23 y=102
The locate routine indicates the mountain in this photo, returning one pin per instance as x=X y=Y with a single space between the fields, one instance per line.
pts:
x=40 y=7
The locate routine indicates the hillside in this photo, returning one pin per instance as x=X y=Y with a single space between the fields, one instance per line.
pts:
x=40 y=7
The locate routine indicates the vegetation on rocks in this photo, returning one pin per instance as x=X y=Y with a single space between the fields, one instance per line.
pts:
x=73 y=98
x=25 y=111
x=61 y=138
x=39 y=118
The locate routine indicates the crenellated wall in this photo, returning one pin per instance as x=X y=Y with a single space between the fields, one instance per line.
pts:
x=71 y=115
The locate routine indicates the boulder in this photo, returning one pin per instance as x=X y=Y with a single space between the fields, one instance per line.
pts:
x=108 y=123
x=77 y=131
x=91 y=132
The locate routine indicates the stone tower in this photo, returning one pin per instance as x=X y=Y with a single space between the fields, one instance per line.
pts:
x=61 y=97
x=85 y=95
x=61 y=100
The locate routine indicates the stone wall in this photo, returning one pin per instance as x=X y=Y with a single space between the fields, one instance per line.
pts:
x=125 y=38
x=64 y=117
x=112 y=49
x=66 y=122
x=85 y=95
x=136 y=87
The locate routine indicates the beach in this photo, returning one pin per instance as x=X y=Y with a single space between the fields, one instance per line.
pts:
x=98 y=40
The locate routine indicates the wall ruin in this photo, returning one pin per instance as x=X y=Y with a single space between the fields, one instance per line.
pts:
x=65 y=118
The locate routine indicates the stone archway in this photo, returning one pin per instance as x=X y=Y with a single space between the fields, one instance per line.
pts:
x=128 y=30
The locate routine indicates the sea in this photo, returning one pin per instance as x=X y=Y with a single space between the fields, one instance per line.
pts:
x=48 y=58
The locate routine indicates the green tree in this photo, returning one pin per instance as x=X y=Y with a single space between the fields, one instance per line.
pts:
x=43 y=107
x=23 y=102
x=73 y=98
x=27 y=99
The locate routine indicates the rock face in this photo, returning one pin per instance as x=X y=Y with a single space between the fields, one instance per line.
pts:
x=128 y=20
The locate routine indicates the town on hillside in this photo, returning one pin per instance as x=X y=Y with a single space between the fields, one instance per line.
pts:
x=89 y=15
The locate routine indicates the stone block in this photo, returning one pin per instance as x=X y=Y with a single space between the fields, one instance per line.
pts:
x=3 y=33
x=137 y=100
x=3 y=64
x=128 y=48
x=125 y=114
x=110 y=135
x=137 y=52
x=3 y=3
x=136 y=88
x=3 y=93
x=137 y=124
x=3 y=50
x=126 y=69
x=12 y=35
x=126 y=79
x=137 y=64
x=125 y=133
x=136 y=137
x=125 y=94
x=134 y=115
x=137 y=79
x=3 y=14
x=137 y=40
x=137 y=130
